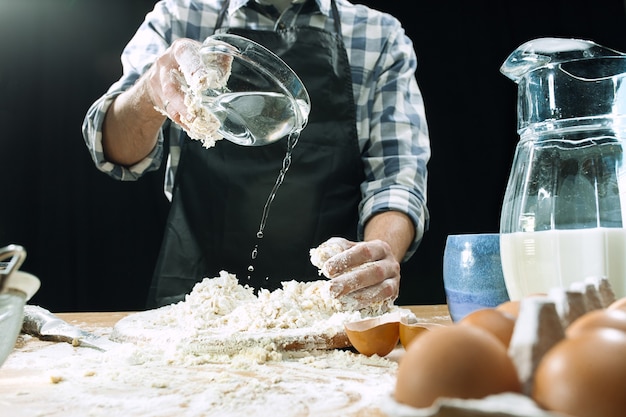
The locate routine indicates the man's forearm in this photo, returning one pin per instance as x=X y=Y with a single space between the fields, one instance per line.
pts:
x=393 y=227
x=131 y=126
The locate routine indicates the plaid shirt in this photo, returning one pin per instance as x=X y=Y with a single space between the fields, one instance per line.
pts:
x=391 y=122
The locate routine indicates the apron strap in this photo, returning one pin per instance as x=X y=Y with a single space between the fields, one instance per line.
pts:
x=336 y=19
x=288 y=18
x=221 y=15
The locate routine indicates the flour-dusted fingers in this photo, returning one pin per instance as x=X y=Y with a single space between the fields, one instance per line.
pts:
x=167 y=85
x=327 y=250
x=365 y=275
x=356 y=255
x=379 y=294
x=361 y=273
x=190 y=63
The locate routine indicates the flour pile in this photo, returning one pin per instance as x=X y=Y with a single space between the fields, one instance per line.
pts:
x=220 y=319
x=222 y=302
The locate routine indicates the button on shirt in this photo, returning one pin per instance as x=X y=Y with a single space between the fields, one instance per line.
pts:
x=390 y=116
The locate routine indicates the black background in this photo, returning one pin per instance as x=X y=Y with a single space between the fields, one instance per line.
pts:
x=93 y=241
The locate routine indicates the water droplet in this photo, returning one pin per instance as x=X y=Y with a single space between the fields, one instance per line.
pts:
x=250 y=269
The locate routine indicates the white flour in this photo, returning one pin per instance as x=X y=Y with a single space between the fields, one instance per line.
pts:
x=217 y=353
x=140 y=381
x=221 y=318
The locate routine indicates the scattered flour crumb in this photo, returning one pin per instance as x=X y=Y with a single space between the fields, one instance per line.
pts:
x=55 y=379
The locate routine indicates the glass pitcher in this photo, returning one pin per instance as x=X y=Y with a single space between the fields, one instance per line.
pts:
x=563 y=212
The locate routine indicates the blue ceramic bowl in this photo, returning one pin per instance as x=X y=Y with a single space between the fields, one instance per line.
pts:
x=472 y=273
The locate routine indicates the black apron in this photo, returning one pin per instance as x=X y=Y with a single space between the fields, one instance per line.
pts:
x=220 y=193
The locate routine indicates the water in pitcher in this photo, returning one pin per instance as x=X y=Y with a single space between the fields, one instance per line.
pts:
x=535 y=262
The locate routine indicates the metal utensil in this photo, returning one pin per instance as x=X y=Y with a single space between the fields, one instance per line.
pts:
x=45 y=325
x=16 y=287
x=17 y=255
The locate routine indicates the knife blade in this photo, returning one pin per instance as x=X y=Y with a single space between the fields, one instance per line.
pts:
x=44 y=325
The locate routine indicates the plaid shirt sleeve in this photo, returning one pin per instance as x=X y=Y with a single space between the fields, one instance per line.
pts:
x=151 y=39
x=391 y=119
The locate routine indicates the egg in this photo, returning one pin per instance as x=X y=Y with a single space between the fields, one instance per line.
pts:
x=619 y=304
x=584 y=376
x=456 y=362
x=497 y=322
x=594 y=319
x=374 y=336
x=510 y=307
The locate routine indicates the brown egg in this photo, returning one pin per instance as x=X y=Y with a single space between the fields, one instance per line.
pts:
x=454 y=361
x=497 y=322
x=619 y=304
x=409 y=331
x=615 y=319
x=378 y=335
x=584 y=376
x=510 y=307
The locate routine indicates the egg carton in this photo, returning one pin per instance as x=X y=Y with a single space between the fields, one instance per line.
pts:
x=501 y=405
x=541 y=324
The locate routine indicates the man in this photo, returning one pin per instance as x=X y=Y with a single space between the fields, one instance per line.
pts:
x=358 y=172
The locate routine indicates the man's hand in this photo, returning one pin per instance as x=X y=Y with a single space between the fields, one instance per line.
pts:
x=173 y=72
x=132 y=122
x=368 y=272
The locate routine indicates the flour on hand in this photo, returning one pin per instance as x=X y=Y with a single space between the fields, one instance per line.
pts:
x=215 y=69
x=324 y=252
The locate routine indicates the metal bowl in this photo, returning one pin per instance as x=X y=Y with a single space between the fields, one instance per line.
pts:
x=16 y=288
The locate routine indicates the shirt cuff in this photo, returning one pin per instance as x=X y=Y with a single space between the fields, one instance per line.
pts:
x=401 y=200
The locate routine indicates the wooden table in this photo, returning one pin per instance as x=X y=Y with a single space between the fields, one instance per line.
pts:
x=53 y=380
x=431 y=313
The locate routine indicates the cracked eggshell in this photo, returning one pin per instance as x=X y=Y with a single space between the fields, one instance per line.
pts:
x=409 y=331
x=375 y=336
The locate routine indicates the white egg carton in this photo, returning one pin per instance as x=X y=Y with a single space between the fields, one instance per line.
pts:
x=547 y=316
x=501 y=405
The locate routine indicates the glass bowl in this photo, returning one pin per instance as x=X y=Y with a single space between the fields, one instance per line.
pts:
x=263 y=100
